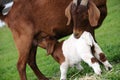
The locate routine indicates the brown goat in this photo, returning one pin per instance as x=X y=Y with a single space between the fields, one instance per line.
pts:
x=31 y=21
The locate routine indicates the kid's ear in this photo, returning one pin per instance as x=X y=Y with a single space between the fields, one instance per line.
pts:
x=94 y=14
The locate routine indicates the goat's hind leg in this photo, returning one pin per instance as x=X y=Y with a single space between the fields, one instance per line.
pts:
x=92 y=62
x=101 y=57
x=23 y=43
x=32 y=62
x=79 y=67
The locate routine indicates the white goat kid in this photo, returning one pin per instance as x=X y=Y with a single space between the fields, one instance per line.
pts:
x=76 y=50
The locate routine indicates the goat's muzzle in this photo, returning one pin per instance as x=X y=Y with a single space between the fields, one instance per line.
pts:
x=77 y=33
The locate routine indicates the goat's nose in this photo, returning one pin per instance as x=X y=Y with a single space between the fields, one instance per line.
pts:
x=76 y=35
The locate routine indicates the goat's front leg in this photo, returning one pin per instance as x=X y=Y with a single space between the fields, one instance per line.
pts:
x=63 y=69
x=101 y=57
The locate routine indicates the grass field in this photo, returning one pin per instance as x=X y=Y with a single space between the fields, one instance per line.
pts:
x=108 y=37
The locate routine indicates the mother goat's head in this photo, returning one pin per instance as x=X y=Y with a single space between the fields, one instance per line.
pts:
x=83 y=13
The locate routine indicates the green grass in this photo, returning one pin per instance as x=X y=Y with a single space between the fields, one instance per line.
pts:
x=108 y=37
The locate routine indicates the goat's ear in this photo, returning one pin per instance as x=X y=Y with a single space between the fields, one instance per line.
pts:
x=68 y=13
x=94 y=14
x=50 y=47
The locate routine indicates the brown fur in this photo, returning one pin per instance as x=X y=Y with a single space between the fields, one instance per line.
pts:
x=93 y=60
x=102 y=57
x=31 y=21
x=58 y=53
x=55 y=48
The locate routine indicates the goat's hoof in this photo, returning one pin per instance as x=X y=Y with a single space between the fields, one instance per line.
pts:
x=109 y=68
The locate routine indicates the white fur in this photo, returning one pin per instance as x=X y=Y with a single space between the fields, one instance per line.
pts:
x=76 y=50
x=84 y=2
x=75 y=2
x=107 y=65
